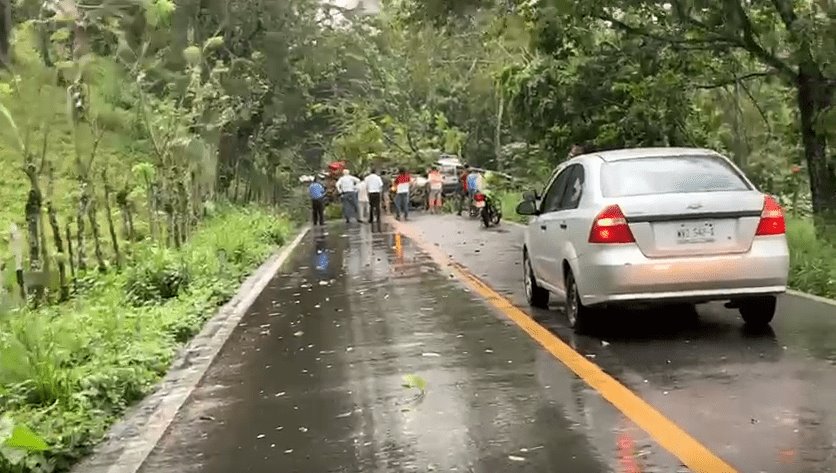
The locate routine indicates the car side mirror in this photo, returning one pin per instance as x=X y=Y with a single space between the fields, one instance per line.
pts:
x=527 y=207
x=530 y=196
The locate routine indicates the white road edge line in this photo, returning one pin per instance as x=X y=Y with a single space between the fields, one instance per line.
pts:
x=791 y=292
x=130 y=441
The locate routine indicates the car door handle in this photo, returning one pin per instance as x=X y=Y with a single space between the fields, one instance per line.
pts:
x=542 y=227
x=563 y=225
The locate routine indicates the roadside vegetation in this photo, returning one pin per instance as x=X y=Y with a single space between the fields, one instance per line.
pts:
x=150 y=148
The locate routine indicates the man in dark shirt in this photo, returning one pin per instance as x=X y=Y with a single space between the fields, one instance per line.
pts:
x=317 y=193
x=462 y=188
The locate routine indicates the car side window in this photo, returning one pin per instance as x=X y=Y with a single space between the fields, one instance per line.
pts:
x=554 y=194
x=574 y=189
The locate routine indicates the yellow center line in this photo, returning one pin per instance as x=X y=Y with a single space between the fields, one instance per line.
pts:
x=670 y=436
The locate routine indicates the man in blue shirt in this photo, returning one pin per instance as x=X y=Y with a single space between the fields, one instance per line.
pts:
x=317 y=192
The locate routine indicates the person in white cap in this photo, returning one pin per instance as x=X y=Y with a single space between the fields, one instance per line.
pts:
x=347 y=187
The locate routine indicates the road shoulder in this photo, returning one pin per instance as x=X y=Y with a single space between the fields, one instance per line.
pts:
x=130 y=440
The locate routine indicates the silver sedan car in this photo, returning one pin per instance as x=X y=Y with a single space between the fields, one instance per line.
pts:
x=639 y=227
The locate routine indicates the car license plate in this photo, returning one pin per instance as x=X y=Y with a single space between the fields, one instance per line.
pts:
x=695 y=233
x=480 y=204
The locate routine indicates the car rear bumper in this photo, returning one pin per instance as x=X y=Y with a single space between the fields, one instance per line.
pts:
x=622 y=274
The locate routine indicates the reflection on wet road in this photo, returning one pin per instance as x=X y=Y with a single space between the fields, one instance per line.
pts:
x=762 y=401
x=311 y=381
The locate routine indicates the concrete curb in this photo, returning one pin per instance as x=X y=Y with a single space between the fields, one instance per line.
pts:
x=131 y=440
x=804 y=295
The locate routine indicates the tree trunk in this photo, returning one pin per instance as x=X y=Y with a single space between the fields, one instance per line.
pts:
x=36 y=262
x=70 y=256
x=150 y=189
x=5 y=33
x=97 y=242
x=813 y=101
x=111 y=228
x=173 y=235
x=497 y=137
x=33 y=207
x=125 y=211
x=81 y=213
x=59 y=247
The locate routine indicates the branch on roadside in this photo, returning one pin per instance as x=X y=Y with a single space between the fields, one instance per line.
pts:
x=713 y=40
x=749 y=42
x=757 y=107
x=735 y=80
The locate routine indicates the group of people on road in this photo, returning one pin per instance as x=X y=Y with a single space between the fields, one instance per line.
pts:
x=471 y=182
x=363 y=199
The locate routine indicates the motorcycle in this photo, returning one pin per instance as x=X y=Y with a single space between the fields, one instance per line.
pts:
x=490 y=213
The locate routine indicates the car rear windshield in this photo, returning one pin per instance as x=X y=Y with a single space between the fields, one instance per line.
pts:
x=669 y=175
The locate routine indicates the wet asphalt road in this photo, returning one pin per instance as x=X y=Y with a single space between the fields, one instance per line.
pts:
x=765 y=402
x=311 y=381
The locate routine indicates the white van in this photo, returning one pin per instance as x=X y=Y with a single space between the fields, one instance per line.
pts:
x=450 y=167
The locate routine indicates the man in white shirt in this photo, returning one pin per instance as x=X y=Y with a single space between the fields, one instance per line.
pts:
x=347 y=187
x=374 y=186
x=363 y=199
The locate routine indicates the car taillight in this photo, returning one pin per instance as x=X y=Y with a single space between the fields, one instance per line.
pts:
x=772 y=218
x=610 y=226
x=479 y=197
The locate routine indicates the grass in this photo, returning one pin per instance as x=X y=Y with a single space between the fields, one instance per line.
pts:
x=812 y=259
x=69 y=371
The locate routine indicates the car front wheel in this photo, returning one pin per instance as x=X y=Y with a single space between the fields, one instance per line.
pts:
x=534 y=294
x=759 y=311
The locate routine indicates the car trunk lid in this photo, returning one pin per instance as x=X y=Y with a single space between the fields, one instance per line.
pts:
x=693 y=224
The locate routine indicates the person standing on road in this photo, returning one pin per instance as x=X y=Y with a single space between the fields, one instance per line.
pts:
x=347 y=187
x=386 y=192
x=436 y=186
x=374 y=186
x=363 y=199
x=473 y=185
x=576 y=150
x=317 y=193
x=402 y=183
x=463 y=187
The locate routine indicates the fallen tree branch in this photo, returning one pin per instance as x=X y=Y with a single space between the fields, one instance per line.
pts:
x=735 y=80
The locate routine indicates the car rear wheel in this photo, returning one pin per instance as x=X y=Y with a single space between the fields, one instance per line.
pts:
x=578 y=314
x=759 y=311
x=534 y=294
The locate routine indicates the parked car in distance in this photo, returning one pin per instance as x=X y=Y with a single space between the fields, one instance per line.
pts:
x=639 y=227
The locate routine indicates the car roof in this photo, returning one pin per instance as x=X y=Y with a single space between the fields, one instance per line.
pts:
x=635 y=153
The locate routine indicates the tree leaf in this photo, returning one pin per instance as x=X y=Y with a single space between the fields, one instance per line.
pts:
x=23 y=438
x=413 y=381
x=192 y=55
x=62 y=34
x=8 y=116
x=213 y=43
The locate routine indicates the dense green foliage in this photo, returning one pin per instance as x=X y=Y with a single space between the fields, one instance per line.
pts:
x=70 y=370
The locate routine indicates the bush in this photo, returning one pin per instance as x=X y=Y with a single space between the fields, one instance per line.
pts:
x=159 y=275
x=71 y=370
x=812 y=259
